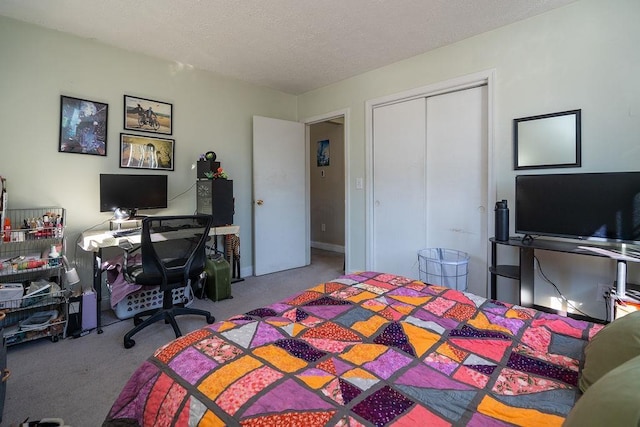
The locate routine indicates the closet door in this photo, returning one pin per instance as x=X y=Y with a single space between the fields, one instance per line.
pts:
x=399 y=204
x=430 y=175
x=457 y=176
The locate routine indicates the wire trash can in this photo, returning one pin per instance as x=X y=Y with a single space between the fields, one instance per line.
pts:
x=444 y=267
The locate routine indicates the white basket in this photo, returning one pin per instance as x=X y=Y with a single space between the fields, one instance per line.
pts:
x=148 y=299
x=444 y=267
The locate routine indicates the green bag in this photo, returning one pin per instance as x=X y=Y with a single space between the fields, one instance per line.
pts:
x=218 y=282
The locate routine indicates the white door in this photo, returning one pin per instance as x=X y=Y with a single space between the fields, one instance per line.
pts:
x=399 y=206
x=457 y=177
x=430 y=178
x=279 y=211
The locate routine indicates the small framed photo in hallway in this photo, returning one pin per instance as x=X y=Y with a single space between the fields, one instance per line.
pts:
x=323 y=153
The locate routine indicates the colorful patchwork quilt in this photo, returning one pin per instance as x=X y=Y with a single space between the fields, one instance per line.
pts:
x=367 y=349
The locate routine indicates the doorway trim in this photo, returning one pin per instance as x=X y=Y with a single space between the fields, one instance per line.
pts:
x=486 y=77
x=344 y=114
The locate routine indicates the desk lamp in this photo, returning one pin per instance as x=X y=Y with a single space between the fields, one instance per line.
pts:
x=121 y=213
x=70 y=274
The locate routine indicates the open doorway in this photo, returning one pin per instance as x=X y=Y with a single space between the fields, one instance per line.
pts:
x=282 y=213
x=327 y=207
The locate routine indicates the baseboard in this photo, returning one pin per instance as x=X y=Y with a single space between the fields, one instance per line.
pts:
x=328 y=247
x=246 y=271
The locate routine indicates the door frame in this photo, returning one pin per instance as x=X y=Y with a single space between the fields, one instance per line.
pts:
x=344 y=113
x=486 y=77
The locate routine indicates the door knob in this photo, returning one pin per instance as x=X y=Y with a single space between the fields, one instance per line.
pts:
x=259 y=202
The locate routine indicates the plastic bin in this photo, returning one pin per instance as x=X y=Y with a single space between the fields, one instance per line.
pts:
x=148 y=299
x=444 y=267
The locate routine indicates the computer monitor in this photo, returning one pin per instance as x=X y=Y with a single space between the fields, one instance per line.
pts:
x=132 y=192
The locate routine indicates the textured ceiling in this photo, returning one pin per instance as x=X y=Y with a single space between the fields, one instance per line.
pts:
x=290 y=45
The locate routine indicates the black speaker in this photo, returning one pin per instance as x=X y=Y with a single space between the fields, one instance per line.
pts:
x=205 y=166
x=215 y=197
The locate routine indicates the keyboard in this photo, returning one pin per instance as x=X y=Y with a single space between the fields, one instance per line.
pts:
x=126 y=232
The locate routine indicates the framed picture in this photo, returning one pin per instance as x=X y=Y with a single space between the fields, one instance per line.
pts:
x=83 y=126
x=145 y=152
x=322 y=153
x=147 y=115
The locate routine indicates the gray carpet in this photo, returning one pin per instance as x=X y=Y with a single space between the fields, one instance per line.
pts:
x=78 y=379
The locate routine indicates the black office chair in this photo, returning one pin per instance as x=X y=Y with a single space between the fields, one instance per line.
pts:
x=173 y=255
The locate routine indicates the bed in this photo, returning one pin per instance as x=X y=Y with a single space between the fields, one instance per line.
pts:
x=366 y=349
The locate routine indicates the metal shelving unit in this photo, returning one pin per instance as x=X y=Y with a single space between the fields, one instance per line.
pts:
x=31 y=275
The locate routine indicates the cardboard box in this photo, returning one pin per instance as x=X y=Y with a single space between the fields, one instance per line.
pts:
x=622 y=309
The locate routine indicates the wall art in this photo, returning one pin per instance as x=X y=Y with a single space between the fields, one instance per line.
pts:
x=147 y=115
x=145 y=152
x=83 y=126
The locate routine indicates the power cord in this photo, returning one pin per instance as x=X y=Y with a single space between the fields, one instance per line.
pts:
x=569 y=304
x=185 y=191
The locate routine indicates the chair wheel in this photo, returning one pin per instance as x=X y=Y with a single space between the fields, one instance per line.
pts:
x=129 y=343
x=210 y=319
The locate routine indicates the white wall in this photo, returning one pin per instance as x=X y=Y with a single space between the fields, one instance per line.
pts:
x=210 y=113
x=583 y=55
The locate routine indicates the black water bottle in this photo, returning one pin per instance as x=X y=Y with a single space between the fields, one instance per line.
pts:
x=502 y=221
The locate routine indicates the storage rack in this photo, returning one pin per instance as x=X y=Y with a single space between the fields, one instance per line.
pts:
x=26 y=259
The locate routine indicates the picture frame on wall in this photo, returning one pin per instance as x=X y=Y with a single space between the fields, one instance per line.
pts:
x=146 y=152
x=83 y=126
x=322 y=153
x=147 y=115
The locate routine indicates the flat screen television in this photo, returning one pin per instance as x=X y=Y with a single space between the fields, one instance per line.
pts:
x=586 y=206
x=132 y=192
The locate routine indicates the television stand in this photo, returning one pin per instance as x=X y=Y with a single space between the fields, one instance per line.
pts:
x=524 y=273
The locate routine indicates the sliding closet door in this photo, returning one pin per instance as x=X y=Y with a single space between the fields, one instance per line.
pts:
x=430 y=177
x=457 y=177
x=399 y=214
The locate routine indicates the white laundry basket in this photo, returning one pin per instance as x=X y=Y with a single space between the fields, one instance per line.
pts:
x=444 y=267
x=147 y=299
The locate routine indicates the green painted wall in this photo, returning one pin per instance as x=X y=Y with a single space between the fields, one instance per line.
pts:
x=581 y=56
x=210 y=113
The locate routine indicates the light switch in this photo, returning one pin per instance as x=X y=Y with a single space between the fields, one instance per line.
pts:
x=359 y=184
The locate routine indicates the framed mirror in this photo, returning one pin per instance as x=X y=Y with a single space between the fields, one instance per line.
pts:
x=547 y=141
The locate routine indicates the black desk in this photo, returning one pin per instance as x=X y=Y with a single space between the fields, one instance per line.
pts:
x=524 y=272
